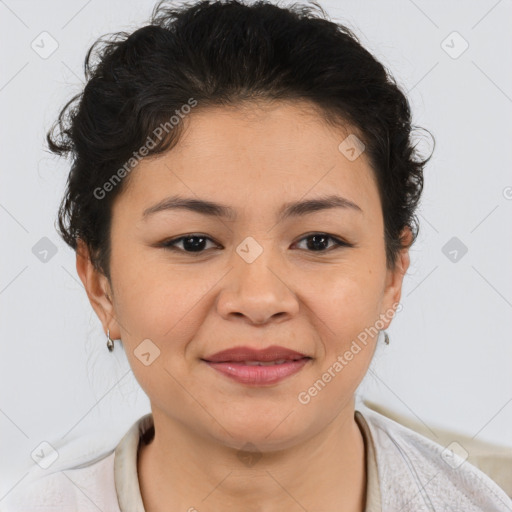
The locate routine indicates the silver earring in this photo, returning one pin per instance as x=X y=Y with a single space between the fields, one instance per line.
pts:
x=386 y=338
x=110 y=342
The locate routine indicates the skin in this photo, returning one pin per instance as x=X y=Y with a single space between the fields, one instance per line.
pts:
x=190 y=305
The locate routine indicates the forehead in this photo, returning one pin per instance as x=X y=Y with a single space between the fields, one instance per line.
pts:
x=256 y=154
x=273 y=131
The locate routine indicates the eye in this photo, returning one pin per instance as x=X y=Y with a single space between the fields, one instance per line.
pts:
x=193 y=243
x=319 y=241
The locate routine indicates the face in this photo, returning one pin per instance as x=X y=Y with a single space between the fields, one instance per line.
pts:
x=311 y=281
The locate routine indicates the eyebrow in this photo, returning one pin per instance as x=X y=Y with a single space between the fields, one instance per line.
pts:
x=288 y=210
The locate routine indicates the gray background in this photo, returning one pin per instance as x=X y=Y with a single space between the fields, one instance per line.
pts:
x=448 y=364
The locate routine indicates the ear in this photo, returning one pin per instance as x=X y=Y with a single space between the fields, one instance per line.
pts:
x=98 y=289
x=394 y=278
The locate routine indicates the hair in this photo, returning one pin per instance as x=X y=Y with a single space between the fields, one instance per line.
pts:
x=227 y=53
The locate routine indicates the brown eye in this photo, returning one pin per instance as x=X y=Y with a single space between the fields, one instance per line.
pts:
x=319 y=242
x=191 y=243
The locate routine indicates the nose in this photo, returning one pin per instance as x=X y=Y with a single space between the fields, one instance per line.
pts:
x=257 y=292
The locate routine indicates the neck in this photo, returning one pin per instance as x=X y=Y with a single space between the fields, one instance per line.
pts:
x=181 y=469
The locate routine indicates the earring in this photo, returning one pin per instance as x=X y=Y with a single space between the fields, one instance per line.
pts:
x=386 y=338
x=110 y=342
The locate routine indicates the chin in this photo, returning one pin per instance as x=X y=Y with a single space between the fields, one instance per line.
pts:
x=266 y=432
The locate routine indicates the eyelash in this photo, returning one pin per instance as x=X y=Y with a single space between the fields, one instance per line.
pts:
x=170 y=244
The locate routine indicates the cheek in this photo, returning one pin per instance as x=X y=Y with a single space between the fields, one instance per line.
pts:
x=164 y=307
x=160 y=302
x=345 y=307
x=347 y=310
x=346 y=299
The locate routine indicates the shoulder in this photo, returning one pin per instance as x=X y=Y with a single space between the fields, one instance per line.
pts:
x=82 y=476
x=416 y=474
x=87 y=487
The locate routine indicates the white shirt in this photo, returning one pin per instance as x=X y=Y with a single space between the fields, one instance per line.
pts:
x=406 y=472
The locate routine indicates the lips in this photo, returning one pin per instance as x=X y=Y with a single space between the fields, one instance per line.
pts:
x=273 y=354
x=253 y=367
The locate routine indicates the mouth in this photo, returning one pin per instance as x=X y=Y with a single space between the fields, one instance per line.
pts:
x=259 y=373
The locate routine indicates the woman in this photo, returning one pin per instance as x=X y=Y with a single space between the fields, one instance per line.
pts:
x=242 y=203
